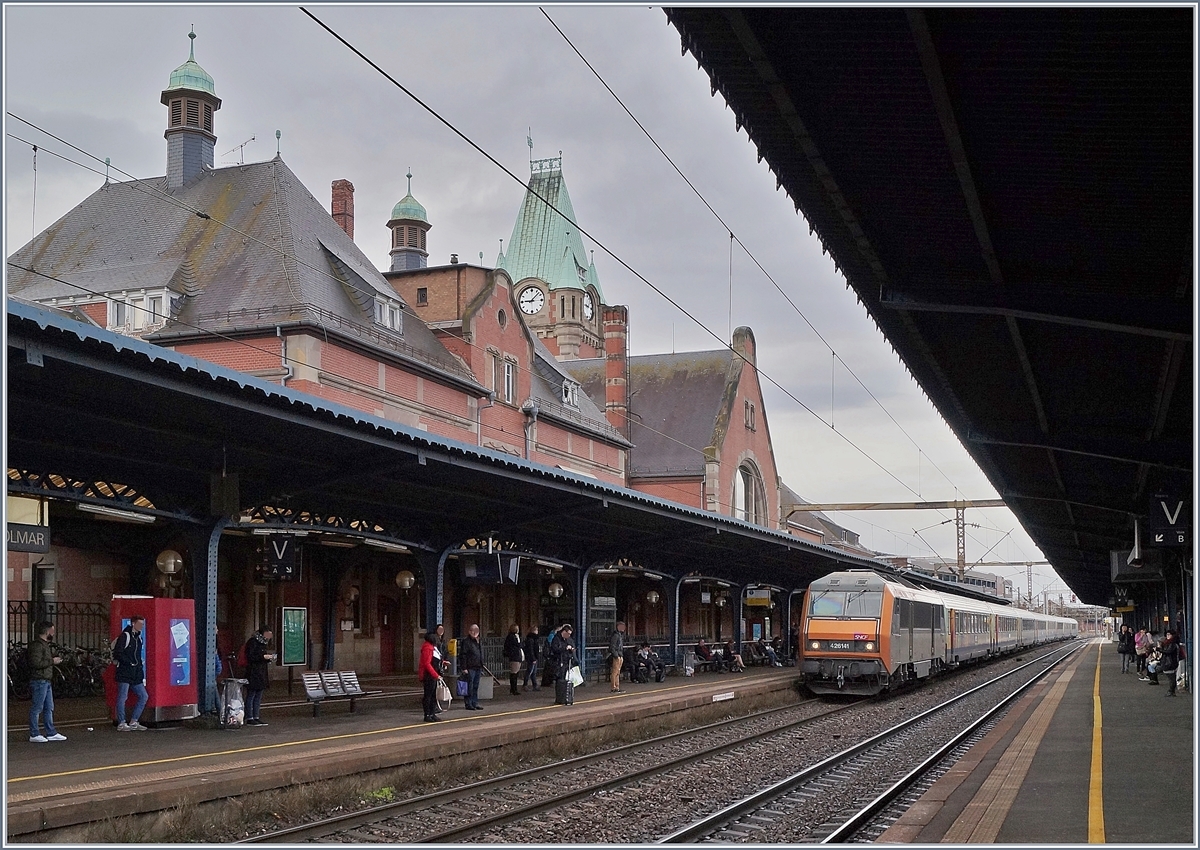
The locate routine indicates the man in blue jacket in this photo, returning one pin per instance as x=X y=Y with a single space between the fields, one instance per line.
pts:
x=131 y=673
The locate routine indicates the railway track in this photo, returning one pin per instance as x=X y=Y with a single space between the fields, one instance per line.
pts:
x=860 y=782
x=385 y=822
x=554 y=799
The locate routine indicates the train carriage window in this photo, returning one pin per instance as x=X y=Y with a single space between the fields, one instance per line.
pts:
x=896 y=617
x=906 y=614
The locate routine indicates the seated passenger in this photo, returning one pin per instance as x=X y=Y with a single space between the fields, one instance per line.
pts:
x=703 y=652
x=770 y=653
x=736 y=664
x=647 y=664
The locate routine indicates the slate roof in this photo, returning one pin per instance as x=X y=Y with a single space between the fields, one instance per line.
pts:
x=836 y=535
x=675 y=401
x=547 y=379
x=544 y=244
x=265 y=253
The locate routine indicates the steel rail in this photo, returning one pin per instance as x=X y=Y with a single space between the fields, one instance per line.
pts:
x=351 y=820
x=868 y=812
x=759 y=799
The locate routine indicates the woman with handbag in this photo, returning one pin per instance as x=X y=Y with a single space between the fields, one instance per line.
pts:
x=429 y=676
x=514 y=655
x=562 y=652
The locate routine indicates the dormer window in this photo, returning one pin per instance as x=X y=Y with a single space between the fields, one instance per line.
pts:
x=570 y=393
x=138 y=310
x=389 y=314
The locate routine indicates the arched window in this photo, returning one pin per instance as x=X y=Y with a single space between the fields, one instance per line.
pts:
x=749 y=495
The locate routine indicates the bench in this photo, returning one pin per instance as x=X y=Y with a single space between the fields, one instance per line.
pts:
x=753 y=655
x=330 y=684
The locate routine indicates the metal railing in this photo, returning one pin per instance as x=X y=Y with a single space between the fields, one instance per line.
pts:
x=82 y=624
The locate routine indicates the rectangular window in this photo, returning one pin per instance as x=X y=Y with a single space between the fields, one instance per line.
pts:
x=749 y=411
x=154 y=305
x=137 y=315
x=572 y=306
x=208 y=117
x=118 y=313
x=510 y=380
x=193 y=113
x=412 y=237
x=176 y=113
x=422 y=232
x=497 y=376
x=422 y=295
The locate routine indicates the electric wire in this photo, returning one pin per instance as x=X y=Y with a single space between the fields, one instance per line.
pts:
x=617 y=258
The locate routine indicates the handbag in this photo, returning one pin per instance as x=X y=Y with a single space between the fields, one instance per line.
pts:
x=575 y=677
x=442 y=691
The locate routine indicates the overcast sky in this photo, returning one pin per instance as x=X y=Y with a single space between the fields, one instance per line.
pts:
x=93 y=75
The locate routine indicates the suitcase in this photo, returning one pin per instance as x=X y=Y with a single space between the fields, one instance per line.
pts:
x=564 y=692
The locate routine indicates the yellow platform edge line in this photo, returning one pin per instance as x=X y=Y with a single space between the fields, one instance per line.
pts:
x=1096 y=786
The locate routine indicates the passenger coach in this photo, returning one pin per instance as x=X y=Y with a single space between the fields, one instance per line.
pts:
x=864 y=633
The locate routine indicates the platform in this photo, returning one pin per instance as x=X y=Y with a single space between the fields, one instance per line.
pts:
x=56 y=785
x=1089 y=755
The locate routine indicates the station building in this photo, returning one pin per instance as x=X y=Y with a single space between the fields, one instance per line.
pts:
x=243 y=267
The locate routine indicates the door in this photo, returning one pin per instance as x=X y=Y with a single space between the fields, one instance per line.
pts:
x=387 y=636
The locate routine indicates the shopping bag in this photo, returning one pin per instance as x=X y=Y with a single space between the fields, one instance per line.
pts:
x=575 y=677
x=462 y=687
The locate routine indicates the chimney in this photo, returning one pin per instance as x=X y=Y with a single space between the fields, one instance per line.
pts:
x=342 y=206
x=616 y=367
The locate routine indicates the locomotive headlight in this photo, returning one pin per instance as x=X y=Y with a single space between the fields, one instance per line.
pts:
x=870 y=646
x=816 y=644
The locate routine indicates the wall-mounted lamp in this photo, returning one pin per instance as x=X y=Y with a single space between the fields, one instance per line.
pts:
x=555 y=590
x=169 y=562
x=405 y=580
x=652 y=597
x=720 y=601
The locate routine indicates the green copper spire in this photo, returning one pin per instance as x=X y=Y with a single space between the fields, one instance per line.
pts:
x=408 y=208
x=190 y=75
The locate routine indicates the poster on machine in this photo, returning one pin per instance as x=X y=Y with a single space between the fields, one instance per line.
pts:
x=181 y=652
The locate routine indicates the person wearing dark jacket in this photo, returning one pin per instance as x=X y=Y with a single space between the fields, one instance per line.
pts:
x=258 y=660
x=42 y=659
x=514 y=655
x=533 y=654
x=429 y=675
x=616 y=656
x=131 y=674
x=562 y=657
x=1170 y=660
x=1125 y=647
x=470 y=659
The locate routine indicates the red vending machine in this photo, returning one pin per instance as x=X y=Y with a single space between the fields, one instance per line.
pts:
x=169 y=644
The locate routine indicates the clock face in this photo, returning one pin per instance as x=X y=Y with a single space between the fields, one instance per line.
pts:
x=589 y=309
x=531 y=300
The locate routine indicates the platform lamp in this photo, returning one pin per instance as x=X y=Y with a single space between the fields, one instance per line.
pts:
x=555 y=590
x=652 y=597
x=405 y=580
x=170 y=564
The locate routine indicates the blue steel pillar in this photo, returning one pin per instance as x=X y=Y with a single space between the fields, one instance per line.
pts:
x=581 y=595
x=204 y=594
x=673 y=618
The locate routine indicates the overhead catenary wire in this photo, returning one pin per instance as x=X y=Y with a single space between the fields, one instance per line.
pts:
x=610 y=252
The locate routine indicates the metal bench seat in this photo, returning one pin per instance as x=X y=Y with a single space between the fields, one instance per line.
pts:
x=331 y=684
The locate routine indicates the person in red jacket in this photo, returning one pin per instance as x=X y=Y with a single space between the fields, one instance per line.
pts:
x=429 y=676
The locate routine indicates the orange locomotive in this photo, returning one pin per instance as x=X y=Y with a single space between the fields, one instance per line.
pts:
x=865 y=633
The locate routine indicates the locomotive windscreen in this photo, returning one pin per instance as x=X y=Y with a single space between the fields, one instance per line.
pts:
x=846 y=603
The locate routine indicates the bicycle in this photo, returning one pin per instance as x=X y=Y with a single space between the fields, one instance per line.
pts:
x=18 y=672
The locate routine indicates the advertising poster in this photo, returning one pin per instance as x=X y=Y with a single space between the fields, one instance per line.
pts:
x=181 y=652
x=294 y=637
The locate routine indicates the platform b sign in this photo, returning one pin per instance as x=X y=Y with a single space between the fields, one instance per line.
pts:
x=1170 y=519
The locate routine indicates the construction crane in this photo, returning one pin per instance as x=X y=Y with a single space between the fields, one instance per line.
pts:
x=959 y=506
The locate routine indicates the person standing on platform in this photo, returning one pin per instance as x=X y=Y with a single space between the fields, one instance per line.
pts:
x=1153 y=659
x=1125 y=647
x=131 y=674
x=562 y=658
x=258 y=660
x=41 y=671
x=533 y=655
x=514 y=654
x=470 y=658
x=1141 y=647
x=616 y=655
x=429 y=675
x=1170 y=660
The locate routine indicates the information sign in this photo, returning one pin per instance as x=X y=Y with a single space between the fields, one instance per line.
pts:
x=294 y=636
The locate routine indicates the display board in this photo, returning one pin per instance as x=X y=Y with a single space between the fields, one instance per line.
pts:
x=293 y=635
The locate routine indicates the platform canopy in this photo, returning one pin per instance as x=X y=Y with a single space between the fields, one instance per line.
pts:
x=1009 y=191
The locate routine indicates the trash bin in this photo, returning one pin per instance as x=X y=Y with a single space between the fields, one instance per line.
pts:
x=233 y=703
